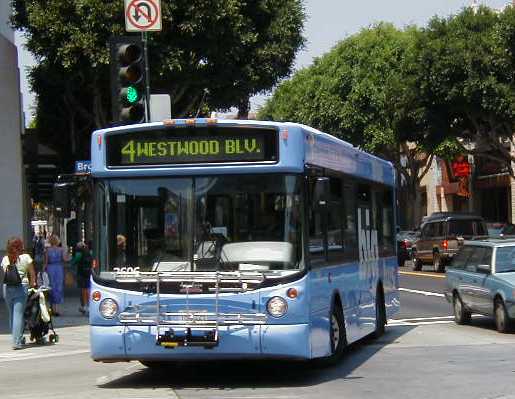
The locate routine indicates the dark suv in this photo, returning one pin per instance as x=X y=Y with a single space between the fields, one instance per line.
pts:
x=442 y=234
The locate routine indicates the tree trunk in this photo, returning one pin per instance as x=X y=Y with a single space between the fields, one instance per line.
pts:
x=414 y=217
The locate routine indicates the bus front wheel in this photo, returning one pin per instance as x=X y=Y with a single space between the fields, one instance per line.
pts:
x=337 y=334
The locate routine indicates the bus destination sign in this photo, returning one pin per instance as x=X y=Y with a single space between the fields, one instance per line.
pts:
x=189 y=146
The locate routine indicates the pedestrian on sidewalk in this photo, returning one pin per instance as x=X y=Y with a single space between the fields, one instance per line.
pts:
x=38 y=252
x=17 y=272
x=82 y=260
x=55 y=258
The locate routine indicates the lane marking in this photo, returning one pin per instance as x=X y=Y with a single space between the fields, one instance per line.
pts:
x=422 y=274
x=422 y=323
x=31 y=355
x=422 y=318
x=426 y=293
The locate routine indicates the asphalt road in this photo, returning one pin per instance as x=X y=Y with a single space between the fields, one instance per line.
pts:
x=422 y=355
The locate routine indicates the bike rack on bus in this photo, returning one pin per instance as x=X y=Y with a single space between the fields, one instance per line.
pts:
x=191 y=328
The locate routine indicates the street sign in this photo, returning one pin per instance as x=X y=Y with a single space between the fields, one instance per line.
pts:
x=82 y=167
x=160 y=107
x=142 y=15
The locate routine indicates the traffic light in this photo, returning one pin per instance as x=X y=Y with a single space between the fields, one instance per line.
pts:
x=128 y=80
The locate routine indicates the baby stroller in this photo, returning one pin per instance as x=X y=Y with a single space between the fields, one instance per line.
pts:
x=38 y=318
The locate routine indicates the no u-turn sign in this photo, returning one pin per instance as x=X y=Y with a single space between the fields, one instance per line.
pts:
x=142 y=15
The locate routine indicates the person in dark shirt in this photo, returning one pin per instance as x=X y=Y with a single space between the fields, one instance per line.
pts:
x=82 y=260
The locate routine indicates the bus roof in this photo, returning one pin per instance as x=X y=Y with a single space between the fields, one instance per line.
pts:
x=299 y=145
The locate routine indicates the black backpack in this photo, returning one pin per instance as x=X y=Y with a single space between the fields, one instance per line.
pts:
x=12 y=277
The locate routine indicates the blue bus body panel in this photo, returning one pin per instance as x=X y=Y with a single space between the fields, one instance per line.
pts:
x=356 y=285
x=330 y=152
x=285 y=337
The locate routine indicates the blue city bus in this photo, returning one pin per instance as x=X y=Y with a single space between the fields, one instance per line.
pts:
x=228 y=239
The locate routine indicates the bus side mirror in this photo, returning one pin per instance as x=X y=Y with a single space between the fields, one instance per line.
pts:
x=321 y=190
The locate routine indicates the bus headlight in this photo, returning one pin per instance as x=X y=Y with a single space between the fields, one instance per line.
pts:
x=277 y=306
x=108 y=308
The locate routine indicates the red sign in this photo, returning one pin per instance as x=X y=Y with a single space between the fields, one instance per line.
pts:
x=461 y=169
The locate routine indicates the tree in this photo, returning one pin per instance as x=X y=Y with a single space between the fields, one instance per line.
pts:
x=362 y=91
x=465 y=81
x=229 y=49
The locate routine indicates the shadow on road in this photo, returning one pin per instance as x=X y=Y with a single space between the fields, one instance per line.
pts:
x=255 y=374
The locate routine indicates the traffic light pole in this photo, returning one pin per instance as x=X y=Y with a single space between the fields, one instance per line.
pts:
x=147 y=76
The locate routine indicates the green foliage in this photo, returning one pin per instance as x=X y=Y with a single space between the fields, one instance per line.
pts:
x=232 y=48
x=360 y=91
x=466 y=77
x=449 y=149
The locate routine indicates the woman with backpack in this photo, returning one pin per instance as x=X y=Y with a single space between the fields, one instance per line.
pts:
x=17 y=273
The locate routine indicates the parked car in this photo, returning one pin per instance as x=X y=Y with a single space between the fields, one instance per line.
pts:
x=405 y=241
x=481 y=279
x=441 y=236
x=499 y=230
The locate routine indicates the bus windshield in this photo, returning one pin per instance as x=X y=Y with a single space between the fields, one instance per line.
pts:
x=229 y=222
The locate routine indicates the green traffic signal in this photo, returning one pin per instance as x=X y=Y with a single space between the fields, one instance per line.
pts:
x=127 y=79
x=132 y=94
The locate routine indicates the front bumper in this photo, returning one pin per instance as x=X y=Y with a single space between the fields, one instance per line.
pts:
x=138 y=342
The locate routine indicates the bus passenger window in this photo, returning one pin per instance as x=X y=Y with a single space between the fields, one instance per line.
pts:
x=383 y=221
x=335 y=222
x=350 y=240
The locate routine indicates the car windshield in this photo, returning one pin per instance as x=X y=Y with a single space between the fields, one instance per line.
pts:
x=204 y=223
x=505 y=259
x=408 y=235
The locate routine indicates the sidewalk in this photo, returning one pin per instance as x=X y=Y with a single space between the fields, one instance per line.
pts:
x=72 y=328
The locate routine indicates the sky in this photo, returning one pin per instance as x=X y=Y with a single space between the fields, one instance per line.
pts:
x=327 y=22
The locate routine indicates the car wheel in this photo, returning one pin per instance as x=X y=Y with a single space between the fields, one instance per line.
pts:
x=416 y=264
x=380 y=313
x=437 y=263
x=461 y=315
x=502 y=321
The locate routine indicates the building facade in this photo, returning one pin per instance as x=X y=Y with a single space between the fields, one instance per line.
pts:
x=490 y=189
x=13 y=208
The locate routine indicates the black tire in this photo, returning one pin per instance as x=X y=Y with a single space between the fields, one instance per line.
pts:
x=380 y=313
x=338 y=346
x=416 y=264
x=461 y=315
x=438 y=265
x=503 y=324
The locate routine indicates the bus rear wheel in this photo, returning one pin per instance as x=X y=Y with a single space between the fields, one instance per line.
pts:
x=380 y=313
